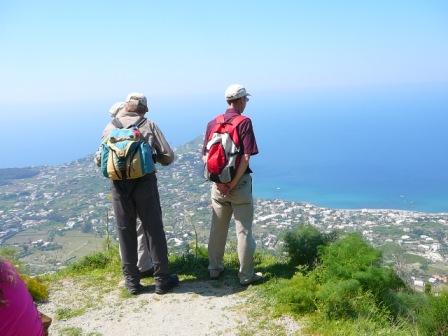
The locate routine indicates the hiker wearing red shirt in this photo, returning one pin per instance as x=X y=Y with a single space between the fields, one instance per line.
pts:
x=228 y=145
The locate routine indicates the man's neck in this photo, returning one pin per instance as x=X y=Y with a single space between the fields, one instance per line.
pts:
x=236 y=109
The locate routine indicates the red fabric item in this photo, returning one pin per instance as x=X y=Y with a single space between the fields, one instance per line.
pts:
x=246 y=134
x=216 y=159
x=230 y=127
x=19 y=316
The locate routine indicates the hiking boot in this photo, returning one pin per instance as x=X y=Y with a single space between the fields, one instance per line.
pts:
x=257 y=277
x=135 y=289
x=147 y=274
x=166 y=283
x=215 y=273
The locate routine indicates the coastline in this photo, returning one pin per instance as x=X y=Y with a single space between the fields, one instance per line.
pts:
x=346 y=201
x=370 y=210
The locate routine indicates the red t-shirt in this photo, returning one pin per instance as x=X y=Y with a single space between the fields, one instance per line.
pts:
x=245 y=133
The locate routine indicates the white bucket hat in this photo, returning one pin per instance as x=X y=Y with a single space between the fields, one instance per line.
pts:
x=235 y=91
x=139 y=97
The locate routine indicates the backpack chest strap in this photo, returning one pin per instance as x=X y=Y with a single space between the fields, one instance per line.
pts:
x=234 y=121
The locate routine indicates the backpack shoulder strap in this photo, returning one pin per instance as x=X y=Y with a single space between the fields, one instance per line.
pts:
x=220 y=119
x=237 y=120
x=234 y=122
x=116 y=123
x=138 y=123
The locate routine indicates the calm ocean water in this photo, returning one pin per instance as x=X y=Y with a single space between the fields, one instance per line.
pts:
x=370 y=151
x=353 y=149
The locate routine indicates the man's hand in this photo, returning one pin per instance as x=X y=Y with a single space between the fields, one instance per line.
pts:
x=223 y=188
x=226 y=188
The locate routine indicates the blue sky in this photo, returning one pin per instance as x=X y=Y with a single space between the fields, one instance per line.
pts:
x=66 y=62
x=65 y=51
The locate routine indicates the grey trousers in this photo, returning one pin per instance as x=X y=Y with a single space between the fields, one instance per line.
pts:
x=144 y=261
x=132 y=198
x=239 y=203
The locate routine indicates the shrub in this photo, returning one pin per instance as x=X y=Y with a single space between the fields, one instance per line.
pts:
x=433 y=319
x=348 y=283
x=348 y=256
x=96 y=261
x=337 y=299
x=302 y=245
x=297 y=295
x=37 y=289
x=383 y=283
x=411 y=304
x=340 y=262
x=379 y=280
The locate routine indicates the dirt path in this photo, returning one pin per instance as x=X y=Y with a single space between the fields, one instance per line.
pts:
x=195 y=308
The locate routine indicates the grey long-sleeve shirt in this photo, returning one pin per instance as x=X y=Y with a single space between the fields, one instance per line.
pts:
x=151 y=132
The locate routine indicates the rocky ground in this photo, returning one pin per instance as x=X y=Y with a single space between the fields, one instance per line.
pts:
x=194 y=308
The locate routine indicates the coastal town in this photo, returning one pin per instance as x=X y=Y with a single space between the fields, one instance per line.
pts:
x=38 y=214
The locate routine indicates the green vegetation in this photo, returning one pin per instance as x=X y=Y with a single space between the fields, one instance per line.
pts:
x=348 y=291
x=333 y=284
x=303 y=243
x=73 y=331
x=433 y=319
x=67 y=313
x=37 y=288
x=103 y=266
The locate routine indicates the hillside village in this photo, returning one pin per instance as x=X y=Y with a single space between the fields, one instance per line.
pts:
x=75 y=198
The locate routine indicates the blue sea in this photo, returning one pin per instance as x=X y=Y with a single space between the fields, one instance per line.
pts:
x=373 y=150
x=376 y=148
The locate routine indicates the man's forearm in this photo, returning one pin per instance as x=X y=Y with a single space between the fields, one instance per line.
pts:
x=165 y=159
x=244 y=163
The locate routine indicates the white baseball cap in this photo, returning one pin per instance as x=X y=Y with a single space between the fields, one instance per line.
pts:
x=235 y=91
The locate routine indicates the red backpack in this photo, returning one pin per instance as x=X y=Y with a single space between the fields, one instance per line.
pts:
x=223 y=150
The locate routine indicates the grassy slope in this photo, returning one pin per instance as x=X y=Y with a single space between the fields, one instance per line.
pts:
x=262 y=303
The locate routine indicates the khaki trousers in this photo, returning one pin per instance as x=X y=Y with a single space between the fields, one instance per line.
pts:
x=239 y=203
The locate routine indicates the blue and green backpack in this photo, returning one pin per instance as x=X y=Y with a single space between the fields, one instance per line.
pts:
x=125 y=154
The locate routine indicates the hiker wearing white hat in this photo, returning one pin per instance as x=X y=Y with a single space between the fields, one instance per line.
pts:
x=139 y=197
x=144 y=262
x=228 y=145
x=234 y=92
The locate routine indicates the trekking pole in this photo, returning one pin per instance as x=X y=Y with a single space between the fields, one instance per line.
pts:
x=107 y=232
x=188 y=219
